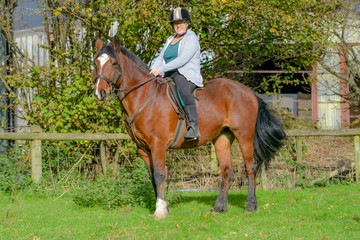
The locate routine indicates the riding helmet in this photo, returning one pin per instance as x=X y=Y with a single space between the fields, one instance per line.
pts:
x=179 y=14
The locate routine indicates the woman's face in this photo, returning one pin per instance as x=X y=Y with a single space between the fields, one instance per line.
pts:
x=181 y=27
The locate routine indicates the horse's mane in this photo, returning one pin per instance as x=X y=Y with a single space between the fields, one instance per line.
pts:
x=108 y=49
x=135 y=58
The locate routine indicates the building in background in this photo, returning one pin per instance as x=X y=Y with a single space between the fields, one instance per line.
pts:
x=3 y=118
x=336 y=73
x=28 y=32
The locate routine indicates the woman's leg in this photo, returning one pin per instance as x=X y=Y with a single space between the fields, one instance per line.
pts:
x=185 y=89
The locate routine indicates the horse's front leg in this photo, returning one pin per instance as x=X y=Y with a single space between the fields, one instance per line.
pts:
x=147 y=159
x=158 y=154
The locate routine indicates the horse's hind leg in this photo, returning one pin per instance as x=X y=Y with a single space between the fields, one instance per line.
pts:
x=247 y=148
x=222 y=146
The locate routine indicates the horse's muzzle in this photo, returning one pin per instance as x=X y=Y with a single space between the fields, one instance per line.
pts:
x=100 y=96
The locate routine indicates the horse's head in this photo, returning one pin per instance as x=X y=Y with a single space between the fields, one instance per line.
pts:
x=107 y=72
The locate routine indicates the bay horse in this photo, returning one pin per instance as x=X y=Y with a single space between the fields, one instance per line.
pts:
x=227 y=110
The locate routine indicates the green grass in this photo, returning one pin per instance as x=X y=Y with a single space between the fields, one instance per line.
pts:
x=315 y=213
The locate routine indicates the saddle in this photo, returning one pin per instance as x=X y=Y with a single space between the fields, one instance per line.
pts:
x=175 y=101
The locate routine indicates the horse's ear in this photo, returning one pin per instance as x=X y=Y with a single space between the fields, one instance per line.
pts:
x=99 y=44
x=116 y=43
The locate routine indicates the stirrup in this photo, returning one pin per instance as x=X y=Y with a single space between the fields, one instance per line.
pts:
x=190 y=136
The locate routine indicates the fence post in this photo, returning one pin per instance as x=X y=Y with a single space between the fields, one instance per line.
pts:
x=103 y=156
x=299 y=153
x=357 y=157
x=264 y=180
x=36 y=168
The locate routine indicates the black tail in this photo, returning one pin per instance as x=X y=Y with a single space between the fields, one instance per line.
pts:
x=269 y=135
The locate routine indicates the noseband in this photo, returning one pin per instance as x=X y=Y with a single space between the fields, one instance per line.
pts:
x=106 y=80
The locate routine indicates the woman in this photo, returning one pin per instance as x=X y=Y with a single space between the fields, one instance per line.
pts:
x=180 y=60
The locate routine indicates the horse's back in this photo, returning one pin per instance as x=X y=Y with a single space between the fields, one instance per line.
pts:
x=227 y=94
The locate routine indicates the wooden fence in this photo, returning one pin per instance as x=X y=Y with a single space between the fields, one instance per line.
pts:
x=36 y=136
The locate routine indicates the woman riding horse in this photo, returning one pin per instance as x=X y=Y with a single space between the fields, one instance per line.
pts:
x=228 y=110
x=180 y=60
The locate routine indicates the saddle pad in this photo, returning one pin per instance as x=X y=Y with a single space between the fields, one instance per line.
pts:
x=174 y=97
x=171 y=92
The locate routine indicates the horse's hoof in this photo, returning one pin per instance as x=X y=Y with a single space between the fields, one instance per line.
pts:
x=215 y=210
x=159 y=216
x=247 y=210
x=162 y=209
x=212 y=211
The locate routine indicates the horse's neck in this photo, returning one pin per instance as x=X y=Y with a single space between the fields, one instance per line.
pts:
x=133 y=74
x=135 y=98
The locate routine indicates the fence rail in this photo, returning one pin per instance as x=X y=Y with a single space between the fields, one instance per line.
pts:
x=36 y=136
x=65 y=136
x=323 y=132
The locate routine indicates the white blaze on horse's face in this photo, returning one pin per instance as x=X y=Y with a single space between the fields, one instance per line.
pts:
x=103 y=58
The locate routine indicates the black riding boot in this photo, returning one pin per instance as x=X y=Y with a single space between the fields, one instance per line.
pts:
x=192 y=132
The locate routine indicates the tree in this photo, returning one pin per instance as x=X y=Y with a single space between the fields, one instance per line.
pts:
x=235 y=34
x=246 y=35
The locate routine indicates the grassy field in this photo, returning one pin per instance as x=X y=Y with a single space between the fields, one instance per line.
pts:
x=315 y=213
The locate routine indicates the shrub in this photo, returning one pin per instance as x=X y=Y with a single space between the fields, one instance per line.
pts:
x=14 y=170
x=130 y=187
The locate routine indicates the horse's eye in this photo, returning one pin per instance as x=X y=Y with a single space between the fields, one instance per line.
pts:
x=115 y=63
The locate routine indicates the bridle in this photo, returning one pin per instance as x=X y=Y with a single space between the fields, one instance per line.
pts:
x=112 y=86
x=118 y=89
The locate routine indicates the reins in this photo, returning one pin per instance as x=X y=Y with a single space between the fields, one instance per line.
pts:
x=152 y=95
x=119 y=90
x=136 y=86
x=131 y=123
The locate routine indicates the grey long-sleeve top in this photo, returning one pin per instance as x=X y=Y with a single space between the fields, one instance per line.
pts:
x=188 y=60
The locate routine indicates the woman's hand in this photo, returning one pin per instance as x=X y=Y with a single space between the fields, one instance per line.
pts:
x=155 y=72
